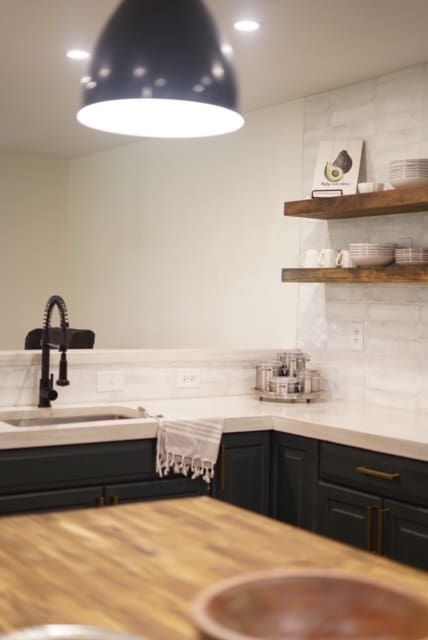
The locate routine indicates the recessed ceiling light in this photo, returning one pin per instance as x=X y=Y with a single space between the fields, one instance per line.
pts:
x=226 y=49
x=246 y=25
x=77 y=54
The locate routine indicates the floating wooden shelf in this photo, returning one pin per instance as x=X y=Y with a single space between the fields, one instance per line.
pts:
x=359 y=205
x=393 y=273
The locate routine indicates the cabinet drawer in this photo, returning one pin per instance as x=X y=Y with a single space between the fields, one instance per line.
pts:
x=155 y=490
x=379 y=473
x=38 y=502
x=76 y=465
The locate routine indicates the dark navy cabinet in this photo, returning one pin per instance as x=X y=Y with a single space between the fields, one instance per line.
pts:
x=161 y=489
x=242 y=470
x=294 y=478
x=86 y=475
x=374 y=501
x=370 y=500
x=405 y=533
x=55 y=500
x=348 y=516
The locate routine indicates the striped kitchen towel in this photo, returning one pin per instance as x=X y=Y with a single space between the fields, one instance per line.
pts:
x=188 y=447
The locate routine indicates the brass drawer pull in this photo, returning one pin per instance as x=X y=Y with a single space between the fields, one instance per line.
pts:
x=380 y=532
x=374 y=473
x=223 y=468
x=370 y=511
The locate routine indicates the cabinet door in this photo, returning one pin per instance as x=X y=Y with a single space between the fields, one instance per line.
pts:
x=51 y=500
x=294 y=475
x=242 y=471
x=348 y=516
x=155 y=490
x=403 y=533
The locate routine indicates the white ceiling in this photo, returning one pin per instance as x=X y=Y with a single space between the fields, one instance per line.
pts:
x=304 y=47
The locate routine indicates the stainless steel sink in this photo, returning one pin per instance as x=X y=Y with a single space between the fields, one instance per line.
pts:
x=40 y=422
x=66 y=415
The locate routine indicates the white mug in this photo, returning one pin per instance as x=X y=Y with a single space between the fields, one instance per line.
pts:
x=309 y=258
x=368 y=187
x=327 y=258
x=344 y=259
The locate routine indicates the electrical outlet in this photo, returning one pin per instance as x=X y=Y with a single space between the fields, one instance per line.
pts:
x=109 y=381
x=188 y=379
x=357 y=336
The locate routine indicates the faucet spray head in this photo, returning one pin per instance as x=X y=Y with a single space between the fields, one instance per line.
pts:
x=63 y=380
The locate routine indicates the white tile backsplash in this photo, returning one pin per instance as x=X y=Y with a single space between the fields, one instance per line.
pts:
x=391 y=114
x=353 y=114
x=402 y=400
x=395 y=294
x=406 y=313
x=147 y=374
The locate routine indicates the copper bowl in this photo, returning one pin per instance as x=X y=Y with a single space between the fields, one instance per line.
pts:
x=316 y=605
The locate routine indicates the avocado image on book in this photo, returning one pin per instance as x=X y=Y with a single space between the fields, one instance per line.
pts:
x=332 y=172
x=343 y=161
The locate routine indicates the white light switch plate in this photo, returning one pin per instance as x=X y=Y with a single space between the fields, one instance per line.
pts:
x=357 y=336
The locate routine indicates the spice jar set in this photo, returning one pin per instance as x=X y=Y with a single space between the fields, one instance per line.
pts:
x=288 y=379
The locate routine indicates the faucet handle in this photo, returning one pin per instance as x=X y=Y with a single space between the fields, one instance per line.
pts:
x=46 y=392
x=51 y=393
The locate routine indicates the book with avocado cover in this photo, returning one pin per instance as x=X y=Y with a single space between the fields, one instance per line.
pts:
x=338 y=166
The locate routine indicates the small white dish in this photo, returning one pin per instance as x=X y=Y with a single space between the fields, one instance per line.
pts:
x=372 y=261
x=373 y=245
x=406 y=183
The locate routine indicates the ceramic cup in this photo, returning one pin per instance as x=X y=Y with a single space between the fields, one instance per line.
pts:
x=344 y=259
x=368 y=187
x=309 y=258
x=327 y=258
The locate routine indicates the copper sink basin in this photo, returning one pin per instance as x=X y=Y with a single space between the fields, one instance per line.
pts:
x=310 y=605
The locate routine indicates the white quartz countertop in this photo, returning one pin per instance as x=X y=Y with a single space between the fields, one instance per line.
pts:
x=393 y=431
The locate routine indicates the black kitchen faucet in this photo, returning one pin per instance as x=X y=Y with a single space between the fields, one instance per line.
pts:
x=46 y=390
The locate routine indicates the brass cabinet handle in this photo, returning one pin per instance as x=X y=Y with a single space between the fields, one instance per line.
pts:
x=374 y=473
x=370 y=511
x=100 y=501
x=223 y=468
x=381 y=529
x=114 y=500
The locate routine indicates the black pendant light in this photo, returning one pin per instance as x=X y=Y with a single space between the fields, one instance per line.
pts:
x=158 y=70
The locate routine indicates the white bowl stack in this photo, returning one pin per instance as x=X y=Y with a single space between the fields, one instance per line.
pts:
x=411 y=256
x=408 y=173
x=372 y=254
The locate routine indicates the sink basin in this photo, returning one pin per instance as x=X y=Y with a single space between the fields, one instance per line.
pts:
x=67 y=415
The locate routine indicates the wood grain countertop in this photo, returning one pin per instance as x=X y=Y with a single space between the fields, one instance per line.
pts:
x=137 y=568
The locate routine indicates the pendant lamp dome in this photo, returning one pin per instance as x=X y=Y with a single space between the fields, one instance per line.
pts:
x=158 y=71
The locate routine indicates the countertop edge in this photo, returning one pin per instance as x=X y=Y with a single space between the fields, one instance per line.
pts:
x=364 y=427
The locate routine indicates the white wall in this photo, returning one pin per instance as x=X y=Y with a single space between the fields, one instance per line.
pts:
x=33 y=204
x=181 y=243
x=391 y=114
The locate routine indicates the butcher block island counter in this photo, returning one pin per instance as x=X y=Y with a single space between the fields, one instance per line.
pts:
x=137 y=568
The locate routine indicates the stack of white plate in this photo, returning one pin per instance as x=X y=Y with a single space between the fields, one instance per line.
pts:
x=372 y=254
x=411 y=256
x=408 y=173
